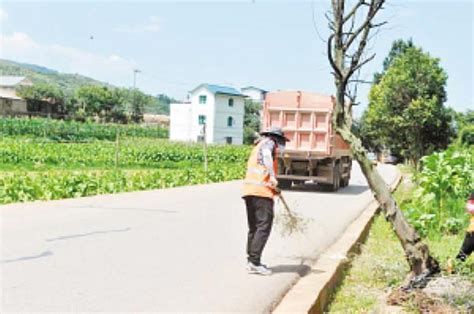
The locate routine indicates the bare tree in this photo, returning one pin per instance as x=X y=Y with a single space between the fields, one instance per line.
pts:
x=348 y=52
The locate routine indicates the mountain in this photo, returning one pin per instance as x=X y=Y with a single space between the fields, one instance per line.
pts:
x=70 y=82
x=39 y=74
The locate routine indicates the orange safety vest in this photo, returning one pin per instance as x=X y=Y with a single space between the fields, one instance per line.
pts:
x=471 y=225
x=257 y=179
x=469 y=209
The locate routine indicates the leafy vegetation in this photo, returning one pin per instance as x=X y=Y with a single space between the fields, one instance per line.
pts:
x=37 y=95
x=38 y=168
x=50 y=185
x=60 y=130
x=16 y=153
x=465 y=127
x=437 y=205
x=251 y=121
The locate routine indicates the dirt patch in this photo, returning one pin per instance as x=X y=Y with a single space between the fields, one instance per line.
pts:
x=444 y=294
x=454 y=290
x=420 y=301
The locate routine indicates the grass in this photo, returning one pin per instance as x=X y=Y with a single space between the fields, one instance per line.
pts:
x=446 y=248
x=379 y=267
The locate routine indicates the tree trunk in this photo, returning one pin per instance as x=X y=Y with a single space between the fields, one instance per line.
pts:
x=417 y=253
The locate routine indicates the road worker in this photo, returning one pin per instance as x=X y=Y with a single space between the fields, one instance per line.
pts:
x=260 y=189
x=468 y=245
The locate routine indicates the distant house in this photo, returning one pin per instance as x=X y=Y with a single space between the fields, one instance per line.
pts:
x=10 y=102
x=220 y=109
x=156 y=119
x=254 y=93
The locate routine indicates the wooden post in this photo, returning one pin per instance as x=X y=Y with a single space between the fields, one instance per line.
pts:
x=117 y=147
x=205 y=146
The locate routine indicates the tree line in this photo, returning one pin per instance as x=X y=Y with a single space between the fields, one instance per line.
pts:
x=102 y=103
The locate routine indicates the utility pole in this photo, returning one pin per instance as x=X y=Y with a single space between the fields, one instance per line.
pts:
x=134 y=100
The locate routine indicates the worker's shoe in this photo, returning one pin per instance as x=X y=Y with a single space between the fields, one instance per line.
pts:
x=258 y=269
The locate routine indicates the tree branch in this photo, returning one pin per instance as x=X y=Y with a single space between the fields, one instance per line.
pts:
x=336 y=69
x=353 y=11
x=360 y=65
x=374 y=7
x=360 y=81
x=378 y=24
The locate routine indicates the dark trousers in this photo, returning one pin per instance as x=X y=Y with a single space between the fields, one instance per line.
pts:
x=467 y=246
x=260 y=220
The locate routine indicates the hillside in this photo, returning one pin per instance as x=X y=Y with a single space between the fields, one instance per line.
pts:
x=70 y=82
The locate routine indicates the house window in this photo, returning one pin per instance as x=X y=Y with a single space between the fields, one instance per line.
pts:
x=202 y=119
x=228 y=139
x=202 y=99
x=230 y=121
x=231 y=102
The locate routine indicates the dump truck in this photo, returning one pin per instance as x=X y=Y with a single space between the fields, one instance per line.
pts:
x=315 y=152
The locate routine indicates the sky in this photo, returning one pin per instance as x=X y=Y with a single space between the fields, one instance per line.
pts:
x=269 y=44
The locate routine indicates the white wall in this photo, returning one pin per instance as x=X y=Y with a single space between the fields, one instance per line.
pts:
x=223 y=111
x=180 y=117
x=184 y=118
x=202 y=109
x=254 y=94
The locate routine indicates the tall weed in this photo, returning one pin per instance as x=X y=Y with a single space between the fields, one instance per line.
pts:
x=444 y=182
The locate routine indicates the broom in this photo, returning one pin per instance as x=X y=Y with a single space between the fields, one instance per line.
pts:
x=291 y=222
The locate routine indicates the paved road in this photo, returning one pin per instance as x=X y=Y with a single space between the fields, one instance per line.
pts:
x=179 y=249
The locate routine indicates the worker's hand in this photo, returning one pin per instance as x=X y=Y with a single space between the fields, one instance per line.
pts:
x=277 y=190
x=470 y=207
x=273 y=182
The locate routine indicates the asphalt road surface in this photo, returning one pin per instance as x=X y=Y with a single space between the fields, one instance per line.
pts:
x=180 y=249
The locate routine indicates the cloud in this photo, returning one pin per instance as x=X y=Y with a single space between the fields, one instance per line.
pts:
x=110 y=68
x=3 y=15
x=153 y=26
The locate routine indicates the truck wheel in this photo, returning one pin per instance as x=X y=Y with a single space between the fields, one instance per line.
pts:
x=284 y=184
x=337 y=177
x=345 y=181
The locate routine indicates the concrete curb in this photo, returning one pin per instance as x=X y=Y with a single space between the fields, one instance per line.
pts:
x=312 y=293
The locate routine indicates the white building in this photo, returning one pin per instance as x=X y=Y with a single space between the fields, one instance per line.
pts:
x=10 y=102
x=219 y=108
x=254 y=93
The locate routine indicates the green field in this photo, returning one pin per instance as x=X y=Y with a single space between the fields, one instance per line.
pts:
x=35 y=167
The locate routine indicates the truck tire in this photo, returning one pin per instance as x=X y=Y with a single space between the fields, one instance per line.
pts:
x=284 y=184
x=345 y=178
x=336 y=177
